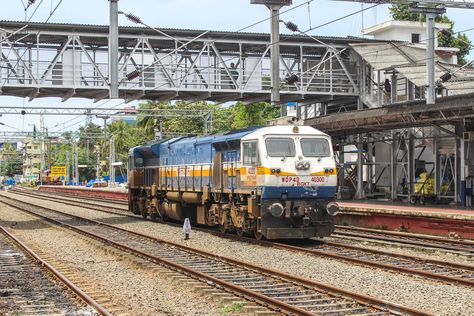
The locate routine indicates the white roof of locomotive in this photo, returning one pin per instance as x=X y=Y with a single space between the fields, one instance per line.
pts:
x=283 y=130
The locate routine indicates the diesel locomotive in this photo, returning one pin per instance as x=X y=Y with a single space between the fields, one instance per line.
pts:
x=271 y=182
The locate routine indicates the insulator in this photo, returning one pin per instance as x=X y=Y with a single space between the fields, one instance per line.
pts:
x=30 y=3
x=132 y=75
x=134 y=18
x=291 y=26
x=291 y=79
x=445 y=77
x=446 y=33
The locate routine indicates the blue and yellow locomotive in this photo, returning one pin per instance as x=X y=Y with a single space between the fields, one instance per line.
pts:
x=273 y=182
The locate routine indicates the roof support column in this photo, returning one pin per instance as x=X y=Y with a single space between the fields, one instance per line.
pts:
x=370 y=165
x=411 y=163
x=393 y=88
x=394 y=166
x=341 y=171
x=360 y=169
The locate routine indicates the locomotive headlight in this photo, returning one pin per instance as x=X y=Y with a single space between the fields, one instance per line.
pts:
x=332 y=208
x=276 y=209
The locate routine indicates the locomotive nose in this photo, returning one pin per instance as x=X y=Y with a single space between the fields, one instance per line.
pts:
x=302 y=165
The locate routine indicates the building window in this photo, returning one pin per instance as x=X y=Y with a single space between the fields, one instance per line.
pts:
x=415 y=38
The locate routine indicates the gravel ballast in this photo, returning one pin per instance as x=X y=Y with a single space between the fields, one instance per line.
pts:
x=411 y=291
x=139 y=291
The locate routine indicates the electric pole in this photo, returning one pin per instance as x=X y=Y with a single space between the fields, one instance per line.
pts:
x=67 y=167
x=113 y=49
x=431 y=13
x=76 y=164
x=112 y=160
x=274 y=6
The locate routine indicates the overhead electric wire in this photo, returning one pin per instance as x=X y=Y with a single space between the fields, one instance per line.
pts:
x=232 y=58
x=25 y=26
x=156 y=88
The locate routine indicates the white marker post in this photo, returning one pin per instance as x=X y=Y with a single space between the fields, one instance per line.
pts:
x=186 y=228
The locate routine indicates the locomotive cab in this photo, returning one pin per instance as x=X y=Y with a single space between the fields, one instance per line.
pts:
x=294 y=170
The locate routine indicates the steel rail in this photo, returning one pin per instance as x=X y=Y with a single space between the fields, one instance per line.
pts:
x=333 y=254
x=405 y=238
x=373 y=234
x=81 y=294
x=265 y=300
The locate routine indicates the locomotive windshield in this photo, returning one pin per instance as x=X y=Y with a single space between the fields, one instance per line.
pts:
x=280 y=147
x=315 y=147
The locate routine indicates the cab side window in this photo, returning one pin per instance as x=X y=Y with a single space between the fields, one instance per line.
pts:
x=250 y=154
x=138 y=162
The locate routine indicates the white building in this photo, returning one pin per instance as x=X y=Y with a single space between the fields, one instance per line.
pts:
x=412 y=32
x=31 y=158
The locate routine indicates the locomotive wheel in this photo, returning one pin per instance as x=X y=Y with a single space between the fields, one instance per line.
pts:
x=155 y=217
x=239 y=231
x=258 y=235
x=222 y=229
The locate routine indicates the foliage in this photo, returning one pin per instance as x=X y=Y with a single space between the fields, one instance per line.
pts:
x=231 y=309
x=254 y=114
x=401 y=12
x=224 y=118
x=12 y=161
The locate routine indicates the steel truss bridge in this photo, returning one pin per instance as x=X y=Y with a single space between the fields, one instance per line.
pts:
x=65 y=60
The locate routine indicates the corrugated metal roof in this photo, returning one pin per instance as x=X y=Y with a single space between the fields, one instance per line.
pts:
x=172 y=31
x=386 y=55
x=462 y=80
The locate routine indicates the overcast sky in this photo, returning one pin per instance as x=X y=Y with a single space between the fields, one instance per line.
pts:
x=222 y=15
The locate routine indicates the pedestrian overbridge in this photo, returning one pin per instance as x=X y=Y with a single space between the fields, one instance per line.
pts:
x=69 y=60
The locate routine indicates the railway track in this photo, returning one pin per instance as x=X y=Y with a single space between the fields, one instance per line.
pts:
x=462 y=247
x=433 y=242
x=275 y=290
x=31 y=286
x=434 y=269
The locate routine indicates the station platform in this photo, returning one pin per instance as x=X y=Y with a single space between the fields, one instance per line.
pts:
x=106 y=193
x=436 y=220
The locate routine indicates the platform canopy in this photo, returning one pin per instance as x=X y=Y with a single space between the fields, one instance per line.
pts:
x=409 y=60
x=447 y=110
x=462 y=78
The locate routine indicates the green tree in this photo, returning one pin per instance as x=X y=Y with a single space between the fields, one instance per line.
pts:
x=253 y=114
x=224 y=118
x=221 y=117
x=126 y=137
x=401 y=12
x=12 y=162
